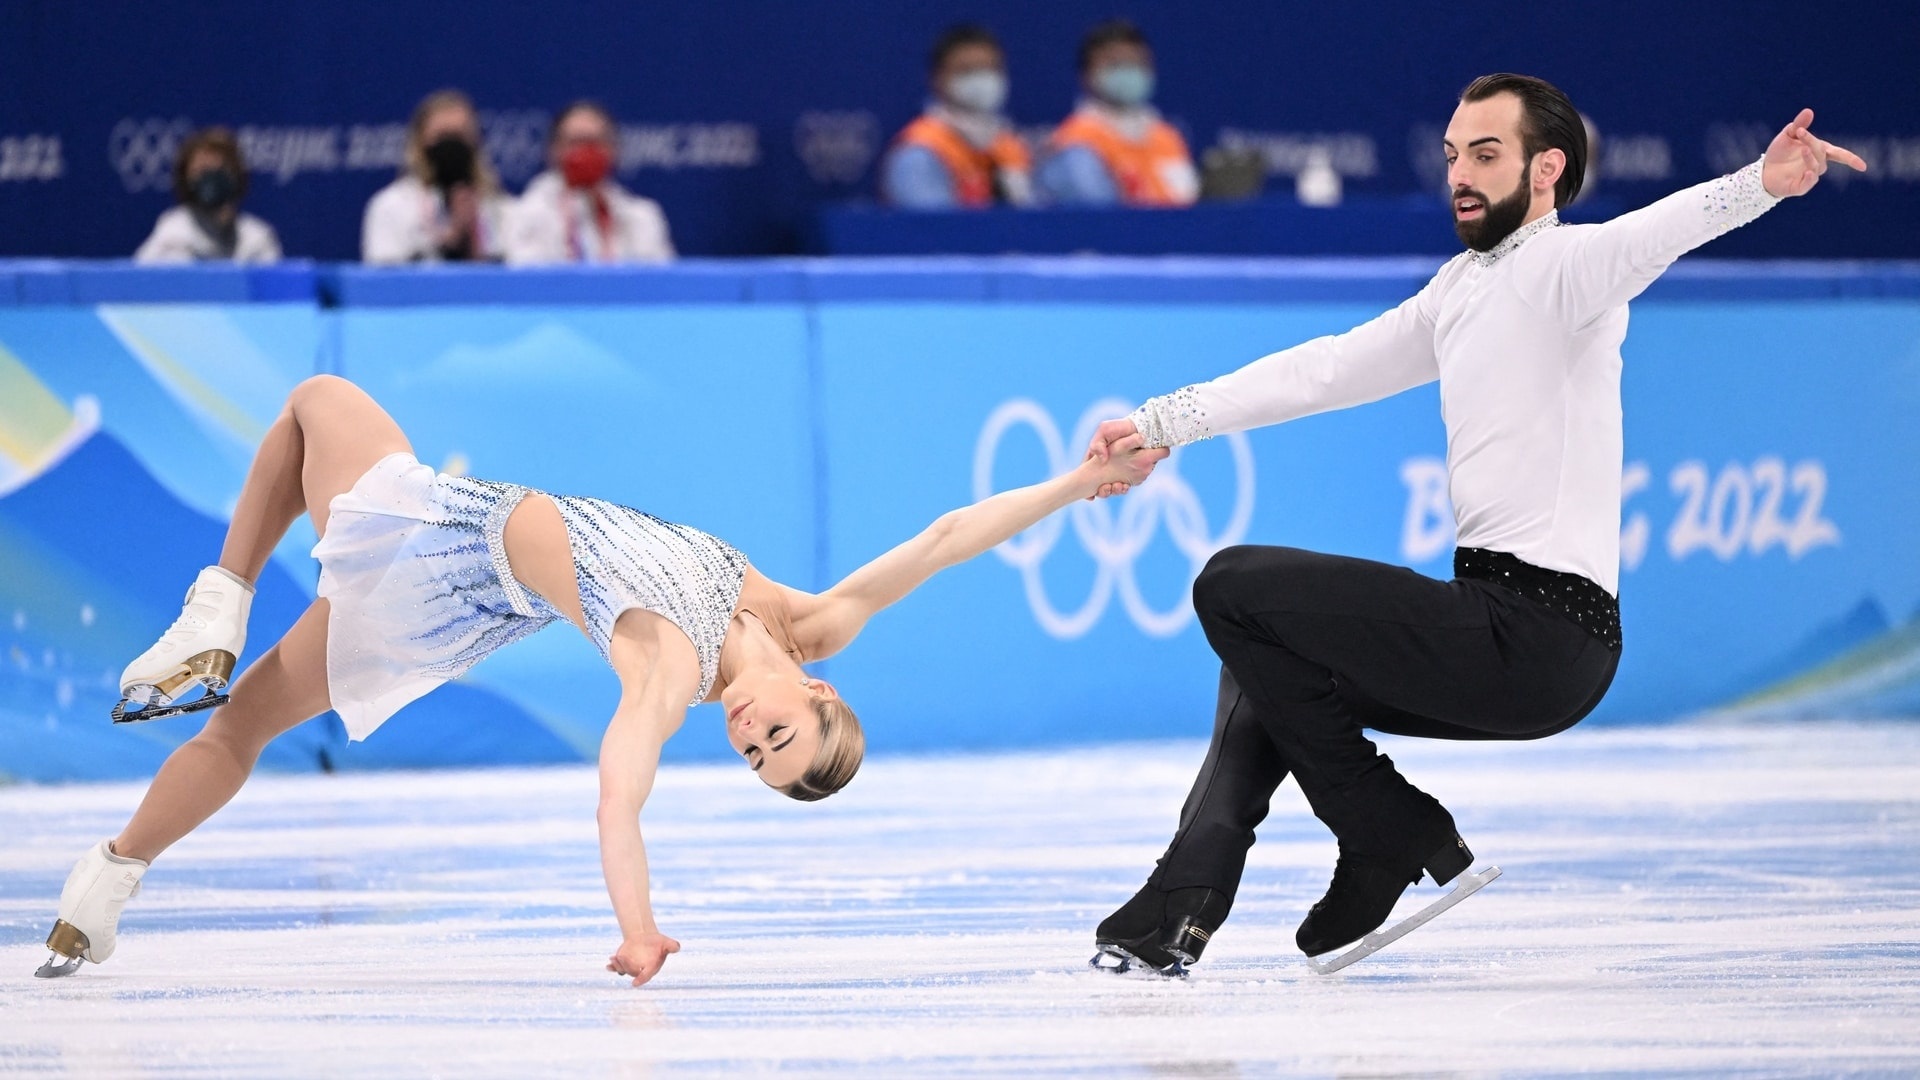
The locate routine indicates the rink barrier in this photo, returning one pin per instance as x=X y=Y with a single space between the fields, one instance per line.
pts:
x=1767 y=521
x=1173 y=280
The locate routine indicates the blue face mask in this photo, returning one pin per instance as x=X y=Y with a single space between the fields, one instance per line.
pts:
x=982 y=91
x=1124 y=84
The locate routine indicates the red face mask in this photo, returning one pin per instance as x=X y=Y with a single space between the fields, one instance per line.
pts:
x=585 y=164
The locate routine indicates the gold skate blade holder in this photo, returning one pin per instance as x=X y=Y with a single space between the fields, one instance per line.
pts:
x=66 y=940
x=213 y=669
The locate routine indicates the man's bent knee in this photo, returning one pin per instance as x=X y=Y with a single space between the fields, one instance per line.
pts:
x=1220 y=580
x=1235 y=571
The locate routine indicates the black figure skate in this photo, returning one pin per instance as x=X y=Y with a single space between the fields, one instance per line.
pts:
x=1160 y=932
x=1362 y=895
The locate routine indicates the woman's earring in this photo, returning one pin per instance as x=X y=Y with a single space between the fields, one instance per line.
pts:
x=806 y=682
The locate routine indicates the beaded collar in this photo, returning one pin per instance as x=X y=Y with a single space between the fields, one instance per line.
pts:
x=1517 y=237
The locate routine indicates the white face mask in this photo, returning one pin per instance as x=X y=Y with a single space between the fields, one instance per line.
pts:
x=981 y=91
x=1124 y=84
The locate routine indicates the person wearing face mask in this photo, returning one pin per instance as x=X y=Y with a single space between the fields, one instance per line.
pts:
x=960 y=152
x=1115 y=148
x=209 y=180
x=446 y=204
x=575 y=212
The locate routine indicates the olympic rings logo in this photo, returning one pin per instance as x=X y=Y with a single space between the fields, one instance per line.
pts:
x=1115 y=538
x=142 y=151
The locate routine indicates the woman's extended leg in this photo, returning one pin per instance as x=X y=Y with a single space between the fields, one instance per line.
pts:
x=327 y=437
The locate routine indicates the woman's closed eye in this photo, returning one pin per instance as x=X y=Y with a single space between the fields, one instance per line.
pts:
x=777 y=735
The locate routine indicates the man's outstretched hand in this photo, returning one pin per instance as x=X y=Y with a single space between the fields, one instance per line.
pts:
x=1795 y=159
x=1101 y=448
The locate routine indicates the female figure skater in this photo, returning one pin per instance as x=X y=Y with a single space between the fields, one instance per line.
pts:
x=422 y=574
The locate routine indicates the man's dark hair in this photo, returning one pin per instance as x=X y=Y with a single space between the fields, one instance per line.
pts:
x=219 y=140
x=959 y=36
x=1111 y=32
x=1548 y=121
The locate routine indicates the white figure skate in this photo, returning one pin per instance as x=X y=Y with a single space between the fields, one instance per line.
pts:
x=89 y=922
x=202 y=646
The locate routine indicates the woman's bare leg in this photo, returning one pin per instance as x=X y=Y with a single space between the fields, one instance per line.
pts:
x=280 y=690
x=327 y=437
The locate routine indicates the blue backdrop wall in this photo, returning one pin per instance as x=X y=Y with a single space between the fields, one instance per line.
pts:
x=815 y=413
x=742 y=116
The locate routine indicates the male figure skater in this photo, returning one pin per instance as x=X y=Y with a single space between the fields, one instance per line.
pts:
x=1523 y=332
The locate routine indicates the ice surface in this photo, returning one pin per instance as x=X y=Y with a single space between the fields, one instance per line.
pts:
x=1704 y=901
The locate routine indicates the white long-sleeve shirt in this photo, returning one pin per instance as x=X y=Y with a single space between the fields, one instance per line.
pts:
x=1525 y=340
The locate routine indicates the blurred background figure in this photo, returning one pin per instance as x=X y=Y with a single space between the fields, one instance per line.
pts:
x=1115 y=148
x=575 y=211
x=961 y=151
x=447 y=204
x=209 y=180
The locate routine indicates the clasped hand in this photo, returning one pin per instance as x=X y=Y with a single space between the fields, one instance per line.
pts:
x=1121 y=457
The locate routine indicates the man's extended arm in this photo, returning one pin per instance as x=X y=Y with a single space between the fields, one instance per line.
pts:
x=1603 y=266
x=1377 y=359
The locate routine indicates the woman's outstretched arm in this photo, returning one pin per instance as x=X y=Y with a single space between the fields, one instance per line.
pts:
x=960 y=535
x=655 y=687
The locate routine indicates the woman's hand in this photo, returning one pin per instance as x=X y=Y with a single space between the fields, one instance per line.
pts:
x=642 y=957
x=1127 y=462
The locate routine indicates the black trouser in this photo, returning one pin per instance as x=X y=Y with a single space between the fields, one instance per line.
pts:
x=1315 y=648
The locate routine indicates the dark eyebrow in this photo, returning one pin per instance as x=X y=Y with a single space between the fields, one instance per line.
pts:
x=1483 y=138
x=752 y=764
x=782 y=744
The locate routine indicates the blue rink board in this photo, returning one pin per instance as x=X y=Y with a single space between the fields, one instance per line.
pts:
x=816 y=413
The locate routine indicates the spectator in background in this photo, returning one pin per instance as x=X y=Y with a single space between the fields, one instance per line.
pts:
x=209 y=180
x=576 y=211
x=1115 y=148
x=961 y=151
x=446 y=205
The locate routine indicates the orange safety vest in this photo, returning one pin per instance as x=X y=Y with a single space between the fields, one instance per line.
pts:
x=1136 y=166
x=972 y=167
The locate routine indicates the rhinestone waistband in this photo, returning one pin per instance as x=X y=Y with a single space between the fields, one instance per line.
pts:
x=1589 y=606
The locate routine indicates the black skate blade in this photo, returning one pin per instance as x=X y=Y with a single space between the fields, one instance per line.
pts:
x=1465 y=885
x=161 y=712
x=58 y=966
x=1115 y=960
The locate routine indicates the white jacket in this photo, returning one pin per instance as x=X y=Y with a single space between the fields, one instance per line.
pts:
x=177 y=238
x=550 y=223
x=404 y=218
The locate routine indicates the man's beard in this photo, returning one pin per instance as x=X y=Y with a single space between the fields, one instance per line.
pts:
x=1497 y=220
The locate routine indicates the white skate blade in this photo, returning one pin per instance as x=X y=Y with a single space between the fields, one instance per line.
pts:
x=58 y=966
x=1468 y=885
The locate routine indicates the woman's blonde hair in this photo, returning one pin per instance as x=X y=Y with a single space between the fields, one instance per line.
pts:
x=842 y=746
x=485 y=180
